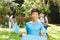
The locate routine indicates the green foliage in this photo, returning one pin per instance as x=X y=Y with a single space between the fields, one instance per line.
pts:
x=28 y=5
x=22 y=25
x=46 y=10
x=3 y=10
x=20 y=10
x=24 y=7
x=20 y=2
x=4 y=35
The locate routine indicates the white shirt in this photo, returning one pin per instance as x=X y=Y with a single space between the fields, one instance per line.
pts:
x=43 y=20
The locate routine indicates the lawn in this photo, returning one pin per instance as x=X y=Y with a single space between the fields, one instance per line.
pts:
x=53 y=31
x=4 y=35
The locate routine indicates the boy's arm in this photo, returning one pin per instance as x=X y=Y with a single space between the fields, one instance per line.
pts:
x=26 y=31
x=27 y=28
x=42 y=30
x=42 y=34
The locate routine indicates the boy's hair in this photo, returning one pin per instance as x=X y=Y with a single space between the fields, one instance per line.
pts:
x=35 y=10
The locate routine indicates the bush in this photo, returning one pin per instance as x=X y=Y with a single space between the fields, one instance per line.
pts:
x=45 y=10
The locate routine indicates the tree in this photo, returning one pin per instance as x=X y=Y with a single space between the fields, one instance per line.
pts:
x=54 y=7
x=20 y=2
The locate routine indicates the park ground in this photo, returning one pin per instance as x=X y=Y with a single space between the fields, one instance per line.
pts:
x=53 y=31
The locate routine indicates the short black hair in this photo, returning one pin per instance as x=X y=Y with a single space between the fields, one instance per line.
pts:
x=44 y=13
x=35 y=10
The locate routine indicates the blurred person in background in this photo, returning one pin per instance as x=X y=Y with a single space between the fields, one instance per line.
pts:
x=10 y=22
x=44 y=20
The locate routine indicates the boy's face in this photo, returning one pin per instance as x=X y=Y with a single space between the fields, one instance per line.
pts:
x=35 y=15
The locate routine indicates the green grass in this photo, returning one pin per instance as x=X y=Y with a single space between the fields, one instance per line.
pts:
x=4 y=35
x=53 y=31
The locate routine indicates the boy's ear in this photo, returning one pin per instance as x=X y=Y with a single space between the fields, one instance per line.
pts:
x=38 y=15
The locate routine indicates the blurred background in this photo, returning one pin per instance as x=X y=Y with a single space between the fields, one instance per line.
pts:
x=22 y=9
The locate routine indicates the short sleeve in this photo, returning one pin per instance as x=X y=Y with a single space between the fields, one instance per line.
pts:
x=43 y=29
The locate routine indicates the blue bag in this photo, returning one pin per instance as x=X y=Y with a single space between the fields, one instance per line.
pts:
x=16 y=28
